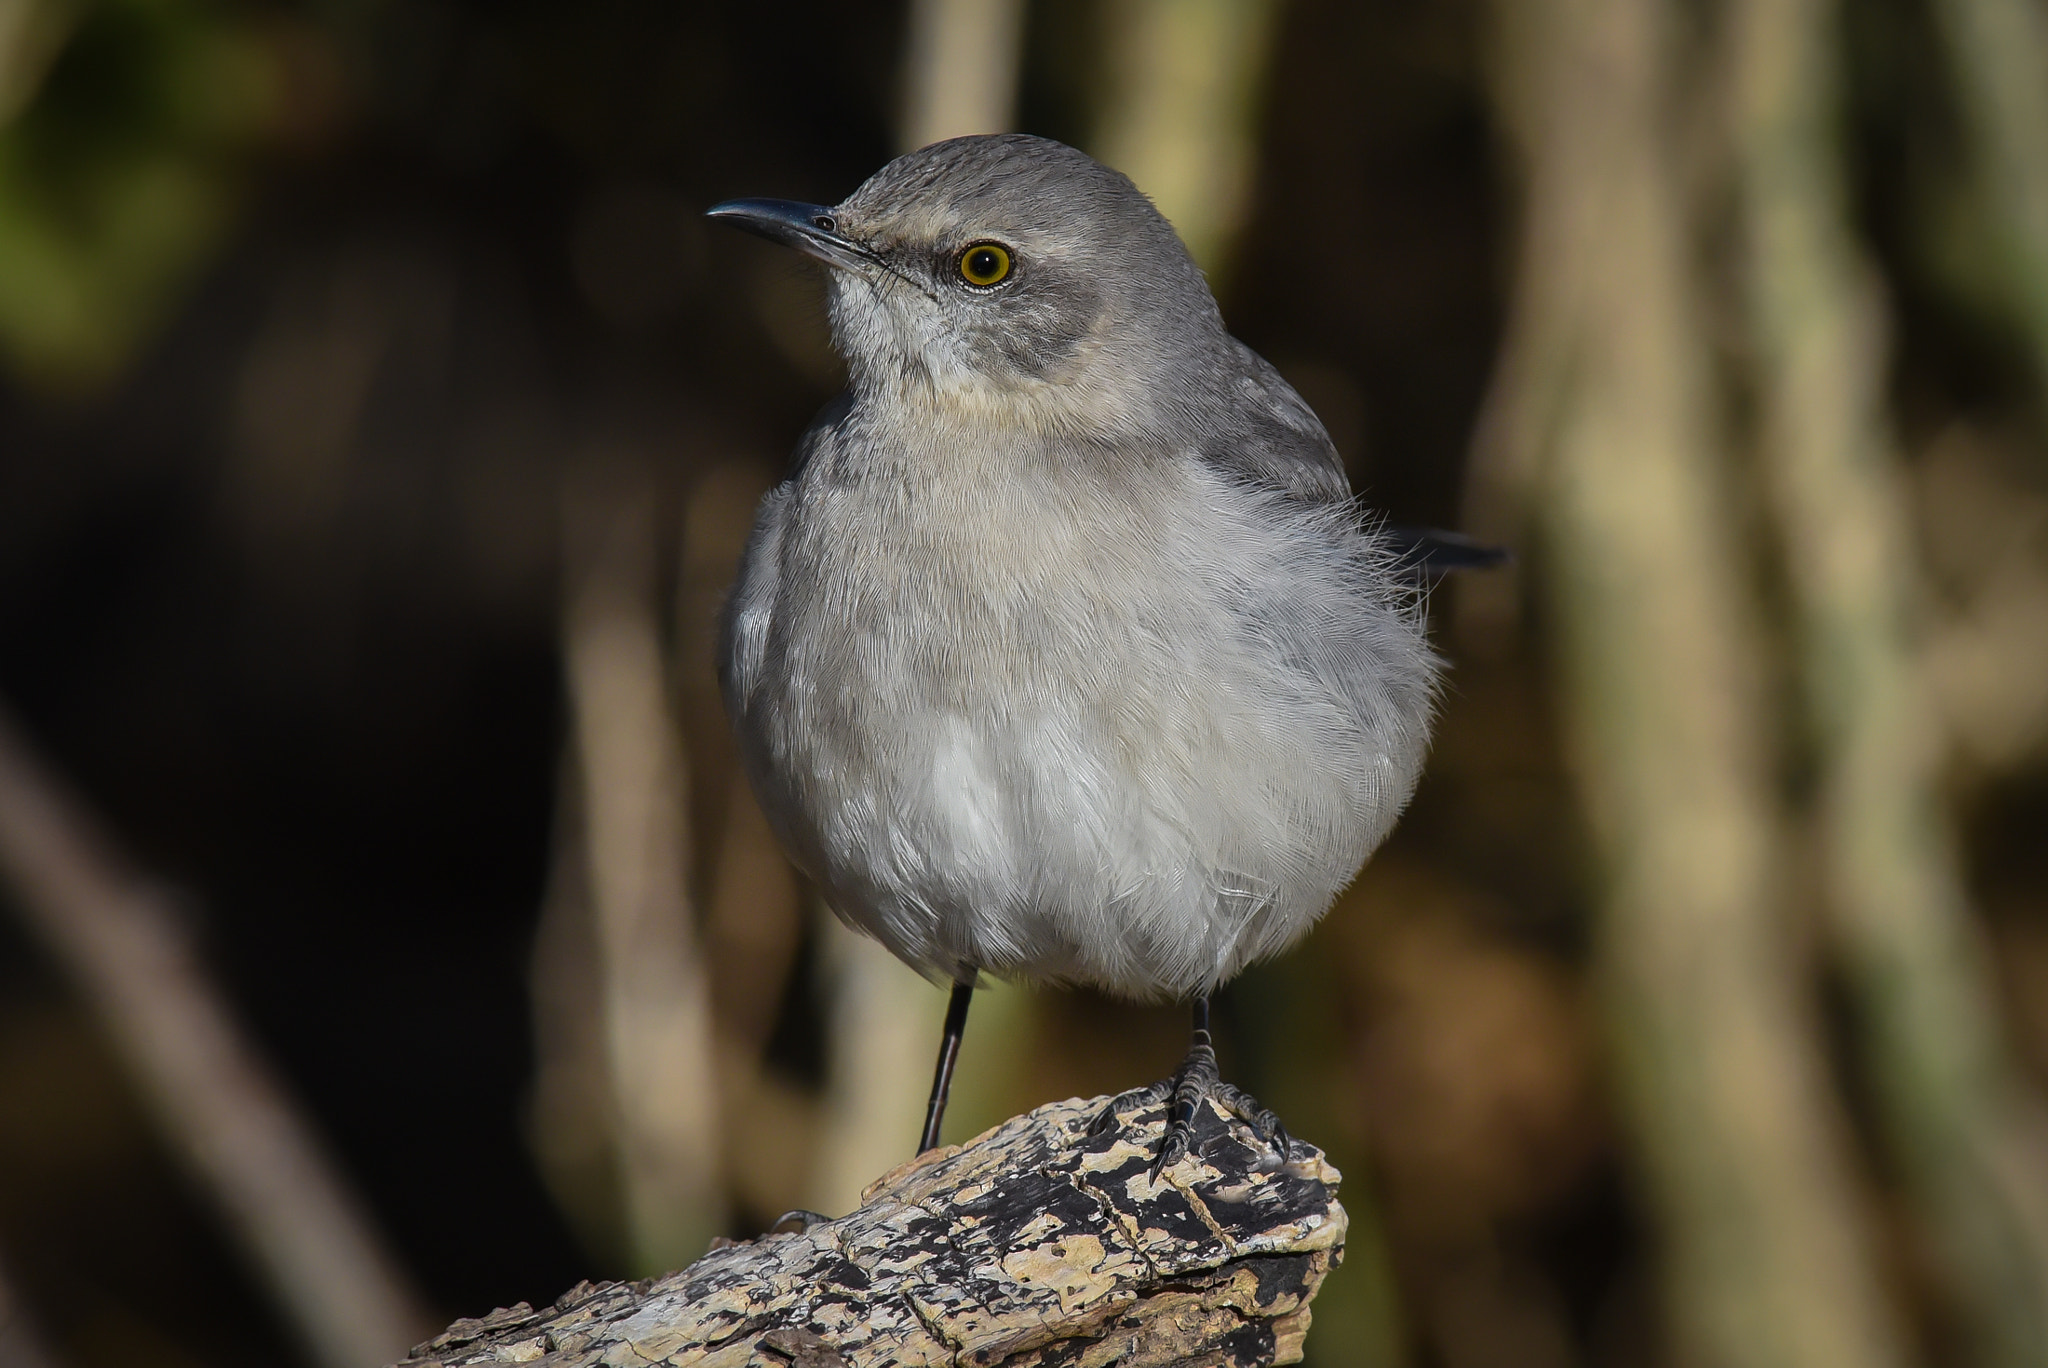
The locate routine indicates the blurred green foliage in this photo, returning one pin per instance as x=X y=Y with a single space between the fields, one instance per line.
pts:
x=126 y=128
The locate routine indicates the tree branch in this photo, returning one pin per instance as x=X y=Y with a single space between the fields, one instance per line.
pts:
x=1034 y=1244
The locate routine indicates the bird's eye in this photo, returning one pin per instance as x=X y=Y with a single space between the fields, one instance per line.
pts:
x=985 y=264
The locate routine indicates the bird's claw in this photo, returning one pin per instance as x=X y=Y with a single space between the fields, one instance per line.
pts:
x=797 y=1222
x=1193 y=1084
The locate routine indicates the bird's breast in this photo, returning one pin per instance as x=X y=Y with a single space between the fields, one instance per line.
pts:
x=1016 y=582
x=1033 y=718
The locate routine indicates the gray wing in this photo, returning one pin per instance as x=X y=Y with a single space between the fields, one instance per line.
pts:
x=1271 y=436
x=750 y=608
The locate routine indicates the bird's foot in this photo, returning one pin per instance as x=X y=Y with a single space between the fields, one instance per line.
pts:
x=788 y=1223
x=1137 y=1099
x=797 y=1222
x=1194 y=1083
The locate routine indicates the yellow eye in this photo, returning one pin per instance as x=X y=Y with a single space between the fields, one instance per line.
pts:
x=985 y=264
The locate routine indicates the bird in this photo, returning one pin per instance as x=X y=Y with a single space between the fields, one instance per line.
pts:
x=1064 y=654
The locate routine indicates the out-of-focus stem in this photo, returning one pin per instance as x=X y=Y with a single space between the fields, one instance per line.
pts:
x=121 y=942
x=20 y=1345
x=878 y=1058
x=32 y=33
x=1999 y=52
x=1716 y=1052
x=1518 y=422
x=1969 y=1140
x=1181 y=115
x=656 y=1004
x=960 y=68
x=569 y=1113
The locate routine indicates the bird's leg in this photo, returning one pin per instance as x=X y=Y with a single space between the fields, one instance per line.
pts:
x=1196 y=1082
x=949 y=1051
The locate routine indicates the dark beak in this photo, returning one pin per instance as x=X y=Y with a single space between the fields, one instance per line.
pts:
x=810 y=228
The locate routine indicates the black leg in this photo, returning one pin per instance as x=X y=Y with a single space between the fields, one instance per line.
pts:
x=1193 y=1085
x=949 y=1051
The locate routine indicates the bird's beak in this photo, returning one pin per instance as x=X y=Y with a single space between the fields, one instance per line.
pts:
x=810 y=228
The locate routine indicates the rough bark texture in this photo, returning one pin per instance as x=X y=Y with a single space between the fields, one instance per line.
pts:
x=1033 y=1244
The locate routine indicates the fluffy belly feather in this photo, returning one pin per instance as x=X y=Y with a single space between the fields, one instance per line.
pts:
x=1093 y=758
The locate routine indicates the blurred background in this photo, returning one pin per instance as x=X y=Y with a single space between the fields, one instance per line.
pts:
x=387 y=935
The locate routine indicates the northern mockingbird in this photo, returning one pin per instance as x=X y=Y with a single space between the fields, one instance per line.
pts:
x=1064 y=654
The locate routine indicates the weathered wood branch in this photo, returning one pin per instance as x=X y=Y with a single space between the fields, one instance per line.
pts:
x=1034 y=1244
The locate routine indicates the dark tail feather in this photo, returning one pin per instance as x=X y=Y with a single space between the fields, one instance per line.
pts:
x=1428 y=554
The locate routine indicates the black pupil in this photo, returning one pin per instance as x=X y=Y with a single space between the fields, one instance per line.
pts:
x=983 y=263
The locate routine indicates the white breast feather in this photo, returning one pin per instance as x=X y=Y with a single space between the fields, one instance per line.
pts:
x=1138 y=756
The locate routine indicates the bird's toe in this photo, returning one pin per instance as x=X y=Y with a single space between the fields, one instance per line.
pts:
x=1264 y=1124
x=1137 y=1099
x=797 y=1222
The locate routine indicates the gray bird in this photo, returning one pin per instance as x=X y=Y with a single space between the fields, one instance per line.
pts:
x=1064 y=653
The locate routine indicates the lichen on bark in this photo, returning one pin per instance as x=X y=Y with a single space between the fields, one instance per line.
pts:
x=1036 y=1243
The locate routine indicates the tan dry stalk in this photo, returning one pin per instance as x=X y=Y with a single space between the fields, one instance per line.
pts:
x=1718 y=1058
x=1969 y=1140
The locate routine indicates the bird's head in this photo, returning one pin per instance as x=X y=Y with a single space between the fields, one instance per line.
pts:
x=1005 y=274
